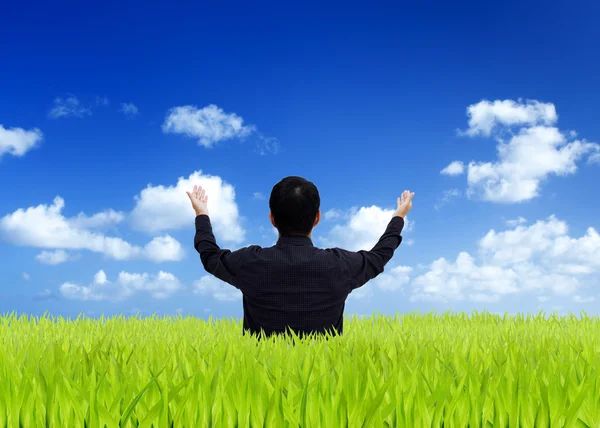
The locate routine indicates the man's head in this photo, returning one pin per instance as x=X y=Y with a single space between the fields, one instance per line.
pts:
x=294 y=205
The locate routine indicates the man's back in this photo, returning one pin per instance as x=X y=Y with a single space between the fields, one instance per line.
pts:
x=294 y=284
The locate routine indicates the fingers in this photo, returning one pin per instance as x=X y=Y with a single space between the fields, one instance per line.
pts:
x=406 y=197
x=199 y=193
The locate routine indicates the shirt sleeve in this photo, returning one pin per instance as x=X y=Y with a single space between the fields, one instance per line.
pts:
x=361 y=266
x=222 y=263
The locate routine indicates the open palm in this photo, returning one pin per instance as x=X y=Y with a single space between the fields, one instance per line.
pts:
x=404 y=203
x=199 y=200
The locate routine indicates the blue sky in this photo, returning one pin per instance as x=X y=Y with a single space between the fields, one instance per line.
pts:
x=108 y=114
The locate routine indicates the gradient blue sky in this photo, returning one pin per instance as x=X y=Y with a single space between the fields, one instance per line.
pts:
x=98 y=103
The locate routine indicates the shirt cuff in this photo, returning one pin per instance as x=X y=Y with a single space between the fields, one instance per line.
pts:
x=202 y=221
x=396 y=224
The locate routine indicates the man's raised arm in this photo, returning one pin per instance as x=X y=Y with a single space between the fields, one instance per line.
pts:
x=221 y=263
x=362 y=266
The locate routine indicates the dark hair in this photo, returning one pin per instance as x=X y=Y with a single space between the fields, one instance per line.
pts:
x=294 y=203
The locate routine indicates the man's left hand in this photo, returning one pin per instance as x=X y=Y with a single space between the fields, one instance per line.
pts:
x=199 y=200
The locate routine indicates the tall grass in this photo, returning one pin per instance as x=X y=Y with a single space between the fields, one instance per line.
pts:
x=410 y=370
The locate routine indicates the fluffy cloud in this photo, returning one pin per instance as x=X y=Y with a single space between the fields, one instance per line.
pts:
x=259 y=196
x=159 y=208
x=66 y=107
x=54 y=257
x=525 y=157
x=362 y=230
x=99 y=220
x=159 y=286
x=539 y=258
x=44 y=226
x=129 y=109
x=26 y=276
x=485 y=115
x=209 y=124
x=391 y=279
x=455 y=168
x=164 y=248
x=18 y=141
x=219 y=290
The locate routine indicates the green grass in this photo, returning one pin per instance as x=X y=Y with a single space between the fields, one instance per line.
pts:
x=410 y=370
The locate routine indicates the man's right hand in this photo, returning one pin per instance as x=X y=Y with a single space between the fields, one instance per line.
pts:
x=404 y=204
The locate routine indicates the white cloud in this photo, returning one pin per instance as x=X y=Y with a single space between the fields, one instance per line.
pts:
x=580 y=299
x=362 y=230
x=393 y=279
x=539 y=258
x=332 y=214
x=485 y=115
x=447 y=280
x=100 y=278
x=70 y=106
x=26 y=276
x=548 y=240
x=219 y=290
x=209 y=124
x=159 y=208
x=527 y=157
x=454 y=168
x=515 y=222
x=18 y=141
x=44 y=226
x=164 y=248
x=98 y=220
x=362 y=293
x=259 y=196
x=446 y=198
x=129 y=109
x=522 y=243
x=54 y=257
x=159 y=286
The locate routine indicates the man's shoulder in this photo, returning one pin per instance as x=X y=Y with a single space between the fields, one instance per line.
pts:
x=250 y=249
x=337 y=252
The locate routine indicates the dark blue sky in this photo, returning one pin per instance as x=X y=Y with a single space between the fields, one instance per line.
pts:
x=364 y=100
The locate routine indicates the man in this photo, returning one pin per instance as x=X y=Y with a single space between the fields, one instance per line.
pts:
x=293 y=284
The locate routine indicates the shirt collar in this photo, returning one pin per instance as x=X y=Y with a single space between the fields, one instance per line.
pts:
x=295 y=240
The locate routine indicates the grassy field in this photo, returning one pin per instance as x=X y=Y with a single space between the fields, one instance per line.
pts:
x=410 y=370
